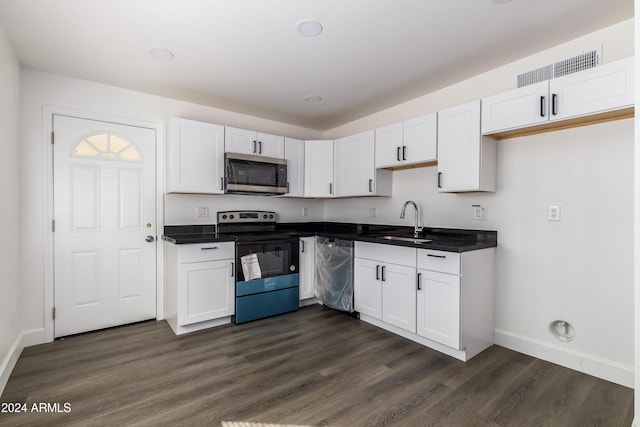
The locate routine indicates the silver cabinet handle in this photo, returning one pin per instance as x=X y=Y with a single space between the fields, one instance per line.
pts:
x=208 y=248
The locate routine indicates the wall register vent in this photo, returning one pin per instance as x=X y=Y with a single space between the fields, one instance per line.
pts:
x=572 y=65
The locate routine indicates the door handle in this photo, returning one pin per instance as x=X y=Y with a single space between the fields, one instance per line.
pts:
x=259 y=147
x=330 y=188
x=233 y=267
x=150 y=239
x=404 y=152
x=302 y=246
x=255 y=146
x=383 y=267
x=542 y=98
x=439 y=179
x=554 y=104
x=221 y=183
x=418 y=281
x=398 y=154
x=377 y=272
x=370 y=186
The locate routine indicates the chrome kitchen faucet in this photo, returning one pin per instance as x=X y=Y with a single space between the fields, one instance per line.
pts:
x=416 y=229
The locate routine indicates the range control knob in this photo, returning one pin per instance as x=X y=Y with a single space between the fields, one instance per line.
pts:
x=224 y=216
x=264 y=216
x=231 y=216
x=271 y=216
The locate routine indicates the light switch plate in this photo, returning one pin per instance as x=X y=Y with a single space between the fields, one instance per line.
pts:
x=203 y=211
x=553 y=213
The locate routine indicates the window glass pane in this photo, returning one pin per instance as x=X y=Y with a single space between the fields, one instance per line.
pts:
x=117 y=144
x=85 y=149
x=130 y=153
x=99 y=141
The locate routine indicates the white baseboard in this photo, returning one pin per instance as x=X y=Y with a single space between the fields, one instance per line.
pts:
x=9 y=362
x=598 y=367
x=33 y=337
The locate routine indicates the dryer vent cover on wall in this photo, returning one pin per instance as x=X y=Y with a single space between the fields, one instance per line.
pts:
x=561 y=68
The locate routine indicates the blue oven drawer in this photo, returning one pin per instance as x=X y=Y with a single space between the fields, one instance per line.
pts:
x=257 y=286
x=266 y=304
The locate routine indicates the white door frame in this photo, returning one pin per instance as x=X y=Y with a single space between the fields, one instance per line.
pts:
x=47 y=120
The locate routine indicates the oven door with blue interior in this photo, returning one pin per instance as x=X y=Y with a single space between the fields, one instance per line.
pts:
x=276 y=290
x=251 y=174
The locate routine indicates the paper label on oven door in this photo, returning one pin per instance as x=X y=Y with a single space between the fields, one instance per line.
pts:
x=251 y=267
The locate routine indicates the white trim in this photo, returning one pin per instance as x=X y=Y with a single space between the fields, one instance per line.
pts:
x=10 y=361
x=579 y=361
x=47 y=127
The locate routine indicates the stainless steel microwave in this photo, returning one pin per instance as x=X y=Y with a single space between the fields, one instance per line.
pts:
x=251 y=174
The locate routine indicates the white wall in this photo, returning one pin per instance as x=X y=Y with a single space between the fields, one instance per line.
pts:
x=10 y=304
x=580 y=269
x=40 y=89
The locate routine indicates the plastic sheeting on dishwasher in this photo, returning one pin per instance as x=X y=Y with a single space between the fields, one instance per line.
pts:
x=334 y=273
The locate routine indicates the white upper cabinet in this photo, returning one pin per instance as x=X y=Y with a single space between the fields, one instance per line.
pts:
x=355 y=172
x=410 y=142
x=294 y=154
x=603 y=88
x=318 y=168
x=196 y=157
x=466 y=160
x=597 y=90
x=251 y=142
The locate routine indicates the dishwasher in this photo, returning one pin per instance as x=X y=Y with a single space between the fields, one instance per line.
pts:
x=334 y=273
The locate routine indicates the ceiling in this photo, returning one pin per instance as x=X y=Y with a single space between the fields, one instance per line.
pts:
x=246 y=55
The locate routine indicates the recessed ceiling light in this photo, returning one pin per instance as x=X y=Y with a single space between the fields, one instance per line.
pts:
x=309 y=27
x=313 y=99
x=161 y=54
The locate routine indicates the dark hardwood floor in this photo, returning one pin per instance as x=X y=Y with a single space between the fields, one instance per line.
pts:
x=312 y=367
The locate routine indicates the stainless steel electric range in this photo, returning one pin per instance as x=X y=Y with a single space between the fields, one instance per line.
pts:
x=267 y=264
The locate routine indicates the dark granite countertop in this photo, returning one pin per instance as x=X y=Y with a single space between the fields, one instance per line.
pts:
x=443 y=239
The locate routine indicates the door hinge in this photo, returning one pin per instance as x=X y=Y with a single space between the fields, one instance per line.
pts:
x=53 y=225
x=52 y=137
x=53 y=313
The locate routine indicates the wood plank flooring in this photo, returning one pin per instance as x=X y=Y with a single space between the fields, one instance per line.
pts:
x=312 y=367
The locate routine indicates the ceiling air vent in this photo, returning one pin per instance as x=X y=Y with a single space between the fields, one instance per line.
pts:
x=572 y=65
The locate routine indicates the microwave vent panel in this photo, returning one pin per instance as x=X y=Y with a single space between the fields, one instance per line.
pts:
x=581 y=62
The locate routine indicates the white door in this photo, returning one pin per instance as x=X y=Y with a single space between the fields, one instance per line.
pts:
x=354 y=177
x=318 y=168
x=105 y=212
x=399 y=296
x=367 y=287
x=439 y=308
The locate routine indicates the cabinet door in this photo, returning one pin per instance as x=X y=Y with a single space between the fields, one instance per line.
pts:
x=367 y=292
x=438 y=317
x=294 y=153
x=594 y=90
x=205 y=291
x=307 y=267
x=466 y=161
x=399 y=296
x=270 y=145
x=420 y=139
x=354 y=165
x=388 y=146
x=516 y=108
x=196 y=157
x=240 y=141
x=318 y=168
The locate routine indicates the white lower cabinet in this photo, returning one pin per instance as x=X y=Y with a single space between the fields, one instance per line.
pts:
x=384 y=283
x=307 y=268
x=443 y=300
x=439 y=307
x=200 y=285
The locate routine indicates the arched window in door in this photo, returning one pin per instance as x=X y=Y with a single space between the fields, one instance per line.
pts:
x=107 y=145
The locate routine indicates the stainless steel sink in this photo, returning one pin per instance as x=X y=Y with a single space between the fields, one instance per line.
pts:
x=415 y=240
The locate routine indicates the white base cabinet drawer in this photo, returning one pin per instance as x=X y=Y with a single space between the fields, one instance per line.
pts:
x=206 y=252
x=445 y=262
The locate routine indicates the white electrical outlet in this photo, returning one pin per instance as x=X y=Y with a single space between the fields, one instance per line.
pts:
x=305 y=211
x=480 y=213
x=553 y=213
x=372 y=213
x=203 y=211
